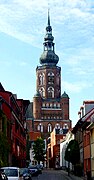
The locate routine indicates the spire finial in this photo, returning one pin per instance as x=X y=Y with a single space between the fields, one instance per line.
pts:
x=48 y=18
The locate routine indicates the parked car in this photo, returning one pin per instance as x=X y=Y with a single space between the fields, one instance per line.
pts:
x=25 y=174
x=39 y=168
x=33 y=170
x=12 y=173
x=3 y=176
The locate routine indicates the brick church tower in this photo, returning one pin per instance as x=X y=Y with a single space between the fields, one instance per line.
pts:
x=50 y=108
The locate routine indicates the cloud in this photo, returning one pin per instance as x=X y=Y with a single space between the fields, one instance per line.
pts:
x=75 y=87
x=72 y=22
x=19 y=18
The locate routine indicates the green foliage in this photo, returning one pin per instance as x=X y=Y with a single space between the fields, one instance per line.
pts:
x=73 y=155
x=27 y=148
x=38 y=150
x=4 y=145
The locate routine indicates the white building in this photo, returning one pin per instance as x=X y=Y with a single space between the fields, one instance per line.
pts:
x=63 y=146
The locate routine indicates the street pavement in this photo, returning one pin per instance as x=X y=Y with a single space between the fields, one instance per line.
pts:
x=50 y=174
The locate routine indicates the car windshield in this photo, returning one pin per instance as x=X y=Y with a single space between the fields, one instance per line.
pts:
x=11 y=172
x=23 y=170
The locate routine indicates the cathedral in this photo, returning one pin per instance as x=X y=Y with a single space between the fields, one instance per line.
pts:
x=50 y=107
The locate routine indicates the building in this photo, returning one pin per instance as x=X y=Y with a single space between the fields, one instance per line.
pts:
x=91 y=129
x=53 y=148
x=63 y=145
x=83 y=132
x=33 y=137
x=15 y=126
x=50 y=108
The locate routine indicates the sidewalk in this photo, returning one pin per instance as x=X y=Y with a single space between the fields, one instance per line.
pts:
x=76 y=177
x=72 y=177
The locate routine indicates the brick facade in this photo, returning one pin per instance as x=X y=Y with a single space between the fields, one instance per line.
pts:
x=50 y=108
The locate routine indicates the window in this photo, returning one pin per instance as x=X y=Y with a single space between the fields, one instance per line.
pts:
x=40 y=127
x=57 y=126
x=51 y=105
x=51 y=78
x=42 y=92
x=58 y=105
x=41 y=79
x=65 y=126
x=50 y=92
x=43 y=105
x=54 y=104
x=49 y=128
x=47 y=105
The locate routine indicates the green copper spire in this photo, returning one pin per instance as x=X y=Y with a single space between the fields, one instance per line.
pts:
x=49 y=57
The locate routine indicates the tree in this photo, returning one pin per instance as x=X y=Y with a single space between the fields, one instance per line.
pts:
x=27 y=150
x=38 y=150
x=4 y=145
x=72 y=153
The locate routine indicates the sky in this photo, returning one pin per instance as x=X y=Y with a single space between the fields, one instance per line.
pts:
x=22 y=31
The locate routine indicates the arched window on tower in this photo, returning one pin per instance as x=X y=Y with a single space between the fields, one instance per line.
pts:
x=50 y=92
x=49 y=128
x=50 y=78
x=40 y=127
x=57 y=126
x=42 y=92
x=65 y=128
x=41 y=79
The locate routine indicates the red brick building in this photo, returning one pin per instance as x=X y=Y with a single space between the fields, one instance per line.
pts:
x=50 y=108
x=14 y=110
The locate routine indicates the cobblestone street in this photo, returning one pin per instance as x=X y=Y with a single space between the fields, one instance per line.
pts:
x=55 y=175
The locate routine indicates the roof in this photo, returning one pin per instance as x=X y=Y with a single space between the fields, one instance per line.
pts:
x=34 y=135
x=37 y=94
x=64 y=95
x=49 y=57
x=1 y=87
x=29 y=111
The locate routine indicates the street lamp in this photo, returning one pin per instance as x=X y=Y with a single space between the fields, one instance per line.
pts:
x=69 y=161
